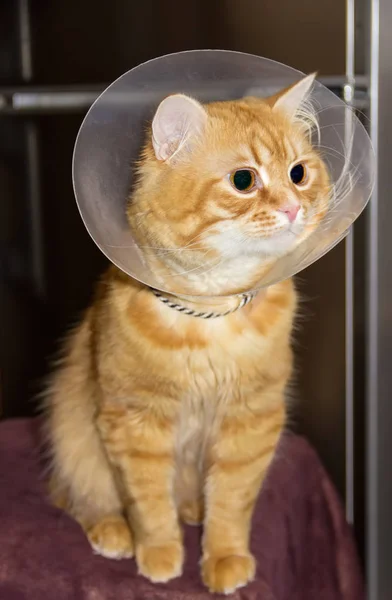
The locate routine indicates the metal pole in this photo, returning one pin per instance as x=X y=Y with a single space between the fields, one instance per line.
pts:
x=32 y=151
x=372 y=392
x=349 y=260
x=379 y=332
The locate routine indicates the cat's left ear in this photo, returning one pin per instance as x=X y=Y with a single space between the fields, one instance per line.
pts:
x=290 y=99
x=177 y=120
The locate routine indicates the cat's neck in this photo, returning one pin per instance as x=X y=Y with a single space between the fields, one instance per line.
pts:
x=230 y=277
x=208 y=308
x=194 y=305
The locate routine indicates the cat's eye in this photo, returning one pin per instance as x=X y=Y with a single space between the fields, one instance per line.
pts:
x=298 y=174
x=243 y=180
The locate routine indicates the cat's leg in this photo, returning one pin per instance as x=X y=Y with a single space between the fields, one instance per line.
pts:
x=140 y=445
x=240 y=457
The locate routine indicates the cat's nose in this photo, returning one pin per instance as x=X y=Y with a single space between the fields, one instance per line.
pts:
x=291 y=210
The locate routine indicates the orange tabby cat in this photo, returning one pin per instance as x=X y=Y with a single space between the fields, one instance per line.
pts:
x=155 y=414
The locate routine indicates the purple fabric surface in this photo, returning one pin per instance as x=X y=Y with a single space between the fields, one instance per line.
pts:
x=302 y=543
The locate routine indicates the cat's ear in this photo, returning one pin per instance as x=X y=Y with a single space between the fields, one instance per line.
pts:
x=177 y=119
x=290 y=99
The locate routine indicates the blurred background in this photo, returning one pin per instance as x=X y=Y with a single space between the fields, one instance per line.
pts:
x=55 y=58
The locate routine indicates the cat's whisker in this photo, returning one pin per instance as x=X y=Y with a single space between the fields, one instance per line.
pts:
x=344 y=187
x=336 y=123
x=161 y=248
x=334 y=152
x=338 y=197
x=239 y=243
x=197 y=239
x=187 y=271
x=209 y=266
x=352 y=109
x=306 y=114
x=167 y=251
x=140 y=216
x=335 y=106
x=346 y=147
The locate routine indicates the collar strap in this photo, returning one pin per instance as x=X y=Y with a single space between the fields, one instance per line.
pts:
x=244 y=299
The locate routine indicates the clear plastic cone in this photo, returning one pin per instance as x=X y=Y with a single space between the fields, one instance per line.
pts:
x=113 y=133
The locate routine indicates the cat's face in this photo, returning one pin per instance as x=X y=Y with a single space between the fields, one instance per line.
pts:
x=230 y=185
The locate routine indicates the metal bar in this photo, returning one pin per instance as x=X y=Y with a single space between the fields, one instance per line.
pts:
x=32 y=152
x=47 y=100
x=25 y=40
x=349 y=90
x=35 y=209
x=379 y=332
x=372 y=358
x=33 y=101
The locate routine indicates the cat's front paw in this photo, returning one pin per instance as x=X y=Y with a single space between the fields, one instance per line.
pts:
x=225 y=574
x=111 y=537
x=160 y=563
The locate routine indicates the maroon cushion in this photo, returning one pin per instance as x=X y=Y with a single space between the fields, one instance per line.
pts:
x=304 y=547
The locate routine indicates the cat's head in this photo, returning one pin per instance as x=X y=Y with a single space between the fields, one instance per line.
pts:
x=225 y=188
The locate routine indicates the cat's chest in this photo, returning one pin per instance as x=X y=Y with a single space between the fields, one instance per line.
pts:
x=222 y=364
x=216 y=377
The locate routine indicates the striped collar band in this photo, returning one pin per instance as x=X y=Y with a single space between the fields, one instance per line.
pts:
x=243 y=300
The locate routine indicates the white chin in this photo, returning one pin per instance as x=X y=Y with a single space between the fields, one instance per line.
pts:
x=274 y=246
x=233 y=244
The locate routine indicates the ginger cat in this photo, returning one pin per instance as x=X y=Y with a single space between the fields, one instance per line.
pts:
x=155 y=415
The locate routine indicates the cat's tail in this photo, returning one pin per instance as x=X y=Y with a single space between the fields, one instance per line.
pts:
x=80 y=477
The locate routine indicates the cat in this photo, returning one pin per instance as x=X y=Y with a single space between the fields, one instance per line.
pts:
x=155 y=415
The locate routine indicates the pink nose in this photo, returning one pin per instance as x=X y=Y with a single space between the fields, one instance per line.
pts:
x=291 y=210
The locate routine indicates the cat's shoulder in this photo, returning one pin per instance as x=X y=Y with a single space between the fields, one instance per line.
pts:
x=274 y=306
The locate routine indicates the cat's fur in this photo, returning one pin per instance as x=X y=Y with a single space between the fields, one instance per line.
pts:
x=155 y=415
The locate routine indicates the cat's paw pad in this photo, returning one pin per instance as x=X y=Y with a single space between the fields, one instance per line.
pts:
x=224 y=575
x=111 y=537
x=191 y=512
x=160 y=563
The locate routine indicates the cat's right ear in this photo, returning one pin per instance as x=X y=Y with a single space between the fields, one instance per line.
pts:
x=290 y=99
x=177 y=119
